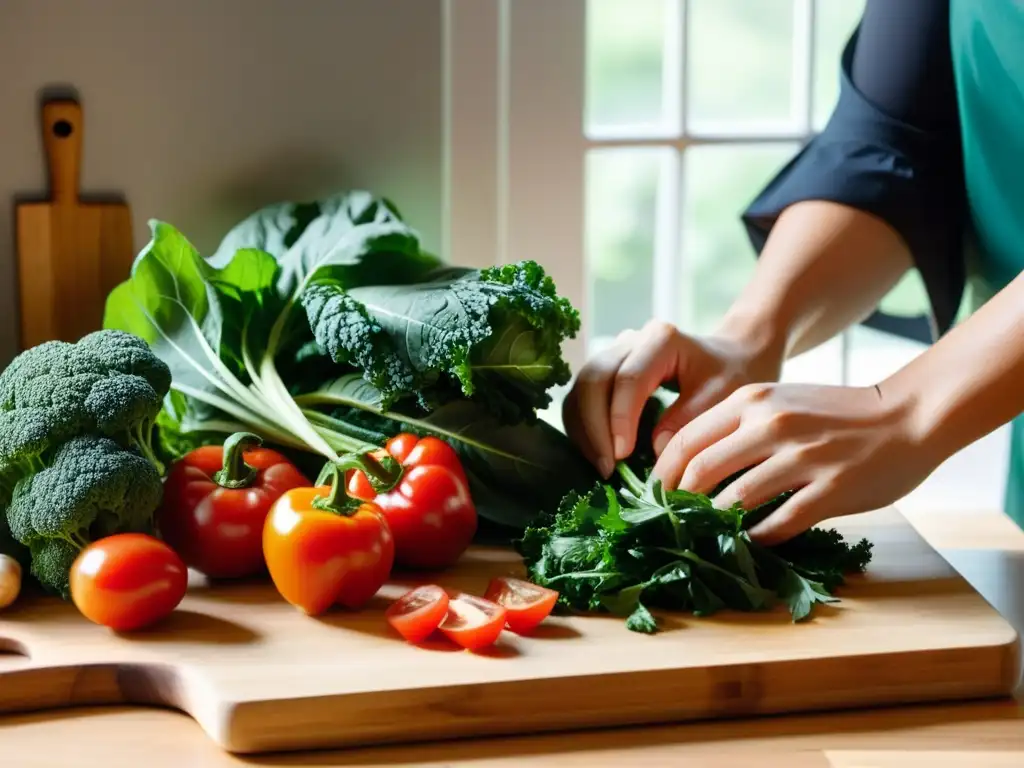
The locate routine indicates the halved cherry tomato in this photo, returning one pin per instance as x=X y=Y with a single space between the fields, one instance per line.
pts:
x=127 y=581
x=216 y=499
x=418 y=613
x=527 y=604
x=428 y=504
x=473 y=622
x=322 y=551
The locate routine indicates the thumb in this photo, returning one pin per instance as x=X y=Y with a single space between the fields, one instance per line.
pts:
x=684 y=410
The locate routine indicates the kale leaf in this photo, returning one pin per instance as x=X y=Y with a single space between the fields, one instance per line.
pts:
x=631 y=549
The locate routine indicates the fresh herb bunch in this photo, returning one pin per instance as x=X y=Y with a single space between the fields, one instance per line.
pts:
x=627 y=550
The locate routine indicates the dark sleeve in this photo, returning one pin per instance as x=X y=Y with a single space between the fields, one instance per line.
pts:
x=891 y=147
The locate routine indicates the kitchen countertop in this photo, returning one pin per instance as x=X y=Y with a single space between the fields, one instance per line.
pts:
x=986 y=548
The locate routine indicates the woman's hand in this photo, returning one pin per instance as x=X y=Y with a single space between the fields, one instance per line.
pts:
x=602 y=411
x=843 y=450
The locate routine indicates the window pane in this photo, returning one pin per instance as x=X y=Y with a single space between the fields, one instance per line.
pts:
x=833 y=22
x=740 y=64
x=625 y=64
x=718 y=259
x=621 y=225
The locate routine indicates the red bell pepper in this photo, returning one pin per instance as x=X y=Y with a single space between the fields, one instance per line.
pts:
x=216 y=499
x=424 y=493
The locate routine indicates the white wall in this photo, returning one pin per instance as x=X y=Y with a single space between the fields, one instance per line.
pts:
x=200 y=111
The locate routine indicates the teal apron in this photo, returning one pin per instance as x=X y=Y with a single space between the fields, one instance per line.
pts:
x=987 y=38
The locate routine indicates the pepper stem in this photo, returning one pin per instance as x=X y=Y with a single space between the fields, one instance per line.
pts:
x=235 y=473
x=331 y=502
x=383 y=475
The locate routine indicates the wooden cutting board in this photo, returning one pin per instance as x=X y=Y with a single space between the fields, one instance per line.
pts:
x=258 y=676
x=71 y=253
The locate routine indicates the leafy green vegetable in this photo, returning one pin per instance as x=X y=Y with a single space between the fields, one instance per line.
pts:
x=638 y=547
x=67 y=412
x=92 y=488
x=494 y=335
x=347 y=331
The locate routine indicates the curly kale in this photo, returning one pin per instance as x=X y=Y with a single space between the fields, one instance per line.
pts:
x=75 y=427
x=493 y=335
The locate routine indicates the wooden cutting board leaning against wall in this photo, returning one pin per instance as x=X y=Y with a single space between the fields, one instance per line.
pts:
x=71 y=253
x=258 y=676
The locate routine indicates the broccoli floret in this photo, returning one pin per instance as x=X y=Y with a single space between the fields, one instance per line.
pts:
x=109 y=383
x=92 y=488
x=76 y=454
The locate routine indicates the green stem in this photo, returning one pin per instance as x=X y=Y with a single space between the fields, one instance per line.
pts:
x=336 y=501
x=629 y=479
x=382 y=478
x=234 y=472
x=144 y=440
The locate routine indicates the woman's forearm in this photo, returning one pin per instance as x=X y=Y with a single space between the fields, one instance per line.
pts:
x=971 y=381
x=825 y=267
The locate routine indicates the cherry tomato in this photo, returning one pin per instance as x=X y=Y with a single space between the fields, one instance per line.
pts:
x=216 y=499
x=527 y=604
x=473 y=622
x=418 y=613
x=127 y=581
x=321 y=552
x=430 y=510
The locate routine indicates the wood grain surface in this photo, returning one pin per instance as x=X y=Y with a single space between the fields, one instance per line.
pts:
x=71 y=252
x=258 y=676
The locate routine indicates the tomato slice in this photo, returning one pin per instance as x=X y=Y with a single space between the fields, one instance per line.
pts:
x=417 y=613
x=526 y=604
x=473 y=622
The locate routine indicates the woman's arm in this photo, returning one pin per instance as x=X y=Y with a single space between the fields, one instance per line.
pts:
x=879 y=190
x=972 y=381
x=825 y=267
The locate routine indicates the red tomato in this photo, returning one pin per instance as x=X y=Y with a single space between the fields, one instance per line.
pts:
x=527 y=604
x=473 y=622
x=216 y=499
x=320 y=554
x=127 y=581
x=418 y=613
x=430 y=510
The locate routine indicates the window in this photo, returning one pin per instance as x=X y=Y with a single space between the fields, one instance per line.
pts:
x=618 y=141
x=691 y=107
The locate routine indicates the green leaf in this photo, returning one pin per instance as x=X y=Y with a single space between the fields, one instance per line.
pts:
x=273 y=229
x=514 y=471
x=801 y=594
x=461 y=333
x=174 y=300
x=357 y=239
x=641 y=620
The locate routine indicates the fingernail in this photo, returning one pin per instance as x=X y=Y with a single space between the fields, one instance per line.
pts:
x=621 y=448
x=660 y=441
x=606 y=467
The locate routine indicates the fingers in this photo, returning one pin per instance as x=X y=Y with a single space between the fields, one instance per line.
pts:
x=743 y=448
x=585 y=412
x=644 y=369
x=805 y=509
x=778 y=474
x=684 y=410
x=701 y=433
